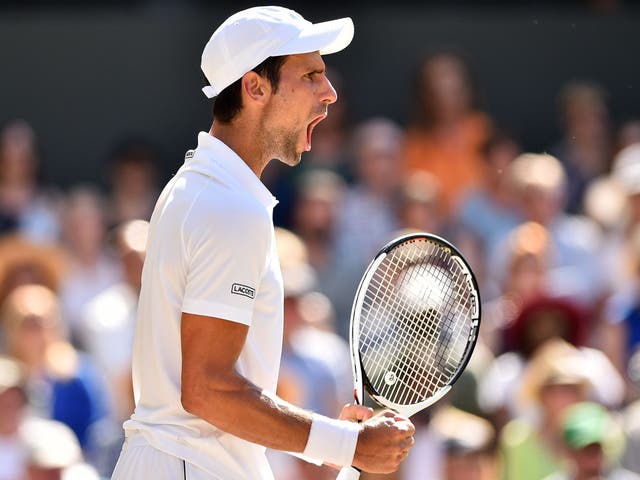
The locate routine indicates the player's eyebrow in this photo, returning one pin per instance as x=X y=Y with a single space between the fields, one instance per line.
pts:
x=312 y=70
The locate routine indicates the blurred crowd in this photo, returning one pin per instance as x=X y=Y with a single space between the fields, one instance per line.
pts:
x=553 y=388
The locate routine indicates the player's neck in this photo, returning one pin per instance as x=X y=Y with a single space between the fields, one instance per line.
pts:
x=241 y=139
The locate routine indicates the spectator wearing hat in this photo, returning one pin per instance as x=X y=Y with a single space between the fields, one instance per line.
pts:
x=454 y=445
x=25 y=262
x=589 y=432
x=53 y=452
x=552 y=381
x=533 y=323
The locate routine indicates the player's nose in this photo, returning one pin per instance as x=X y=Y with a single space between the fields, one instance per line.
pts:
x=328 y=93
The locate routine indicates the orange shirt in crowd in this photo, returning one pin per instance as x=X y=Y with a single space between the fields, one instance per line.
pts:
x=452 y=154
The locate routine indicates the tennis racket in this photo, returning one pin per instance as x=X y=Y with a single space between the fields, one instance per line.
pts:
x=414 y=325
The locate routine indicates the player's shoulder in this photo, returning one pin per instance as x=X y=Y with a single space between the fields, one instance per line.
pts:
x=214 y=195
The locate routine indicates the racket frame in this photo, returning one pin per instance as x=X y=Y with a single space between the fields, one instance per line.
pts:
x=360 y=380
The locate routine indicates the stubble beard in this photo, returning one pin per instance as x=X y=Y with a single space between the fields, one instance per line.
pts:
x=281 y=145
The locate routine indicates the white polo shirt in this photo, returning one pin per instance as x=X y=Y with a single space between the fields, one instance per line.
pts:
x=211 y=251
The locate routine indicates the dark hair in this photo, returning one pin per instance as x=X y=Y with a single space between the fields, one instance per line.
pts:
x=133 y=150
x=228 y=103
x=423 y=105
x=499 y=137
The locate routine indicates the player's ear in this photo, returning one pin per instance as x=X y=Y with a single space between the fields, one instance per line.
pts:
x=255 y=87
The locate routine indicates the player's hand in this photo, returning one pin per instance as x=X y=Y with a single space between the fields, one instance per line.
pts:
x=356 y=413
x=384 y=442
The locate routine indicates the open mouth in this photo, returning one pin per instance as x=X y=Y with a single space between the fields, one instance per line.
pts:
x=310 y=128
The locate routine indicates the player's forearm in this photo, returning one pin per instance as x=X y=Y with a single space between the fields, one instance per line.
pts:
x=236 y=406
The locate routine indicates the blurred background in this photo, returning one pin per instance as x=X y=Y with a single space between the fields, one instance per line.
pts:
x=512 y=128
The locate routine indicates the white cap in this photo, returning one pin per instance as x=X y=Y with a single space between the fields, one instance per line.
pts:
x=248 y=38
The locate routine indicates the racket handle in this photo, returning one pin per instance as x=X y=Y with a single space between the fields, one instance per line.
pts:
x=348 y=473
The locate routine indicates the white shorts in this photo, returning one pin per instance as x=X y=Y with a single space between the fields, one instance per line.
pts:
x=140 y=461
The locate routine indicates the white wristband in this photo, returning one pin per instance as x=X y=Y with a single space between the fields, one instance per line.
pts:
x=332 y=441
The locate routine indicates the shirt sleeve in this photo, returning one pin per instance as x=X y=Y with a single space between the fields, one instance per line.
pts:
x=226 y=251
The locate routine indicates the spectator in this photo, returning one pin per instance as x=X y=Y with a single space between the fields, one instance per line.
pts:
x=629 y=133
x=418 y=202
x=315 y=215
x=23 y=262
x=367 y=218
x=62 y=384
x=553 y=381
x=588 y=431
x=25 y=207
x=525 y=278
x=311 y=386
x=631 y=419
x=92 y=267
x=620 y=336
x=53 y=452
x=575 y=267
x=621 y=332
x=13 y=403
x=108 y=320
x=133 y=179
x=542 y=320
x=106 y=332
x=455 y=445
x=449 y=132
x=626 y=170
x=489 y=210
x=306 y=377
x=586 y=147
x=605 y=202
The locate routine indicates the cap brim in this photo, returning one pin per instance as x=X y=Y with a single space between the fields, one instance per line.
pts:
x=325 y=37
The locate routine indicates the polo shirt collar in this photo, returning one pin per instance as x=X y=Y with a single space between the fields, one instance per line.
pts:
x=212 y=153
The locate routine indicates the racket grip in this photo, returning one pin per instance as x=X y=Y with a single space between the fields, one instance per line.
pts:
x=348 y=473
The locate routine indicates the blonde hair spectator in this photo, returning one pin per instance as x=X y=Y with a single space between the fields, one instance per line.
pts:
x=537 y=171
x=35 y=306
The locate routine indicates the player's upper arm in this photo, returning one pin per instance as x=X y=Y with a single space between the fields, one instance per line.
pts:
x=226 y=249
x=210 y=349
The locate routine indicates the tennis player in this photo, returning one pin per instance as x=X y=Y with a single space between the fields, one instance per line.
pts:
x=209 y=328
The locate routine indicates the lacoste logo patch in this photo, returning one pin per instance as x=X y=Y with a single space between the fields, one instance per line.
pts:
x=239 y=289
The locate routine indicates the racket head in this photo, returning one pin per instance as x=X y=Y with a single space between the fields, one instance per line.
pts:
x=414 y=323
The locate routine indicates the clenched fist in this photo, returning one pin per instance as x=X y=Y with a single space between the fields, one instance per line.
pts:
x=384 y=442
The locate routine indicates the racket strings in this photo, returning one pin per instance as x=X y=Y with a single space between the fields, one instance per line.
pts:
x=415 y=322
